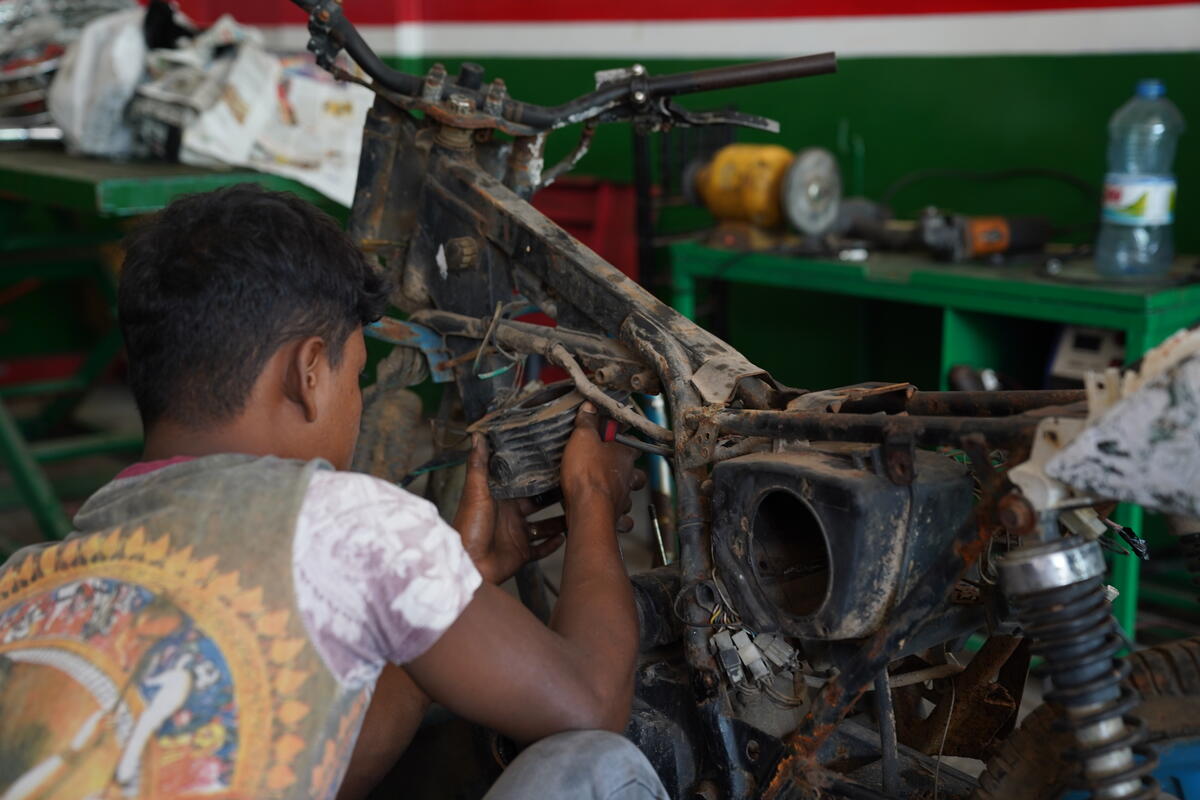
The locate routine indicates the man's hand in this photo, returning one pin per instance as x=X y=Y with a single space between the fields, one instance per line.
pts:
x=593 y=469
x=498 y=666
x=496 y=534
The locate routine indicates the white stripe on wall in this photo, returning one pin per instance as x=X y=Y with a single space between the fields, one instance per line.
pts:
x=1153 y=28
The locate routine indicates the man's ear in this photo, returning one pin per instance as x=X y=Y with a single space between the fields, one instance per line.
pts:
x=305 y=374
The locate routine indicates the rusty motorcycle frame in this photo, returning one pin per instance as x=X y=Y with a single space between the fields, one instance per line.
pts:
x=825 y=550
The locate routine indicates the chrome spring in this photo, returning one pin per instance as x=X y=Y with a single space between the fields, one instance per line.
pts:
x=1073 y=630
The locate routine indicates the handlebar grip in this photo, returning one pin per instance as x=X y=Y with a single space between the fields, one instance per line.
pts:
x=742 y=75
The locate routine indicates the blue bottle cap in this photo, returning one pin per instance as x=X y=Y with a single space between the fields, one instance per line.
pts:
x=1151 y=88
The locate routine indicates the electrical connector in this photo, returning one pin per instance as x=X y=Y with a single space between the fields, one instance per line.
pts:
x=1083 y=522
x=776 y=650
x=751 y=656
x=727 y=655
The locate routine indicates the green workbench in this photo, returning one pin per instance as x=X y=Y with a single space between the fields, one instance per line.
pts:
x=977 y=306
x=79 y=206
x=108 y=189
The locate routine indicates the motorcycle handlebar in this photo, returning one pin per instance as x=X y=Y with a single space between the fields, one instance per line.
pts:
x=328 y=16
x=743 y=74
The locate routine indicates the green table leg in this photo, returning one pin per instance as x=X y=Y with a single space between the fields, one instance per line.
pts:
x=30 y=480
x=961 y=344
x=683 y=287
x=1124 y=572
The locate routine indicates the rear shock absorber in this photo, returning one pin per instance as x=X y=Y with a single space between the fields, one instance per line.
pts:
x=1057 y=591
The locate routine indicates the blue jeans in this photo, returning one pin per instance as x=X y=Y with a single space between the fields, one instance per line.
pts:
x=579 y=765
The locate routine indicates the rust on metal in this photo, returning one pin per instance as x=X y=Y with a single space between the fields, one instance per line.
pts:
x=928 y=431
x=1016 y=514
x=967 y=719
x=395 y=331
x=861 y=397
x=963 y=404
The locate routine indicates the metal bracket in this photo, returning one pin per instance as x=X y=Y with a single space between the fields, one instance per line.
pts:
x=683 y=116
x=321 y=42
x=899 y=451
x=409 y=334
x=717 y=378
x=699 y=447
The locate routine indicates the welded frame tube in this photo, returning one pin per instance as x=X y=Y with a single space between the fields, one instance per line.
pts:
x=824 y=426
x=889 y=751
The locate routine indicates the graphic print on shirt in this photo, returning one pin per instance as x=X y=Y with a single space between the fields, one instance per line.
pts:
x=169 y=679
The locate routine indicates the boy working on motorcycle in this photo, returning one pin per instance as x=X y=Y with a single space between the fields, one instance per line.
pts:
x=228 y=605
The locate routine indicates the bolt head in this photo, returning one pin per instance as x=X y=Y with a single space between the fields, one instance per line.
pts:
x=1016 y=514
x=638 y=69
x=460 y=104
x=639 y=97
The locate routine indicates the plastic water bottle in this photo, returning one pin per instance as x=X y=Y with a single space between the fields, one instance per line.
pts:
x=1139 y=190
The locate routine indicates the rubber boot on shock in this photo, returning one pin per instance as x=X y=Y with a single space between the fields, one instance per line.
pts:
x=1057 y=591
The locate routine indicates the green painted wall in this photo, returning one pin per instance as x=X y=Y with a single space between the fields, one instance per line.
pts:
x=914 y=113
x=977 y=113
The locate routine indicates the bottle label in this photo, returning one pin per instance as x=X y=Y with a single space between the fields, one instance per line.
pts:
x=1138 y=199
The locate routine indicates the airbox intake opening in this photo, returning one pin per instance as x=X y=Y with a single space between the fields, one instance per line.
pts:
x=791 y=557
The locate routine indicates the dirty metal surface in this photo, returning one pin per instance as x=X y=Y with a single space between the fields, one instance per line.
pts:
x=816 y=543
x=410 y=334
x=980 y=709
x=527 y=441
x=861 y=398
x=838 y=696
x=927 y=431
x=718 y=376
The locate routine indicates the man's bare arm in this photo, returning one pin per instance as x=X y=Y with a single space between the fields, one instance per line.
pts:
x=499 y=666
x=396 y=709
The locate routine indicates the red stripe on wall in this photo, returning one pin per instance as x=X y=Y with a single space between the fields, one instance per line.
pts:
x=387 y=12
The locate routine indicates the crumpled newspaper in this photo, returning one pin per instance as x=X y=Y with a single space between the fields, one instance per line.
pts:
x=217 y=99
x=315 y=135
x=224 y=100
x=1145 y=448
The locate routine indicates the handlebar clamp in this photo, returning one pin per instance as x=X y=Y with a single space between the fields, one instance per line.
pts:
x=321 y=42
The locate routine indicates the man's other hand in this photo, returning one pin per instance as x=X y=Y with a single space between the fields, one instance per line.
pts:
x=496 y=534
x=499 y=666
x=592 y=468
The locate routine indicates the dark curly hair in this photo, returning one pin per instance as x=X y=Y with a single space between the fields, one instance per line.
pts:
x=215 y=283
